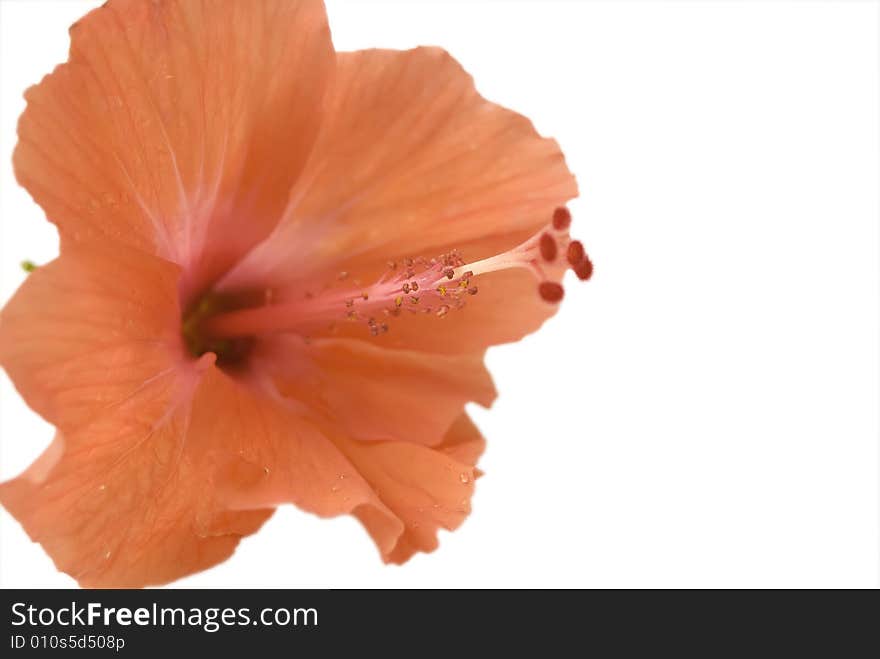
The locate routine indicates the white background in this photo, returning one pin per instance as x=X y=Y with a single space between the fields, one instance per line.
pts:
x=705 y=411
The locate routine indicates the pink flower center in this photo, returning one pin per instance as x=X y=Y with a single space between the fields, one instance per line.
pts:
x=435 y=286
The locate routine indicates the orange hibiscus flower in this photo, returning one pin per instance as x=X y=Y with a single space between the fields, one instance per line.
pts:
x=280 y=268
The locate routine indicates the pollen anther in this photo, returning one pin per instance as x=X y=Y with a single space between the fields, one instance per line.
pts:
x=575 y=252
x=551 y=291
x=561 y=218
x=433 y=286
x=548 y=247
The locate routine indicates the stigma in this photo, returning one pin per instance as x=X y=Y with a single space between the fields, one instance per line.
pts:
x=431 y=286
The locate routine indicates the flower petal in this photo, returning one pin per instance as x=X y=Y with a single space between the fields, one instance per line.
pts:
x=127 y=500
x=373 y=392
x=178 y=126
x=463 y=441
x=427 y=489
x=410 y=158
x=401 y=491
x=91 y=329
x=169 y=481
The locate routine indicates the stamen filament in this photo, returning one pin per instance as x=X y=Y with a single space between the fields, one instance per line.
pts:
x=299 y=315
x=416 y=285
